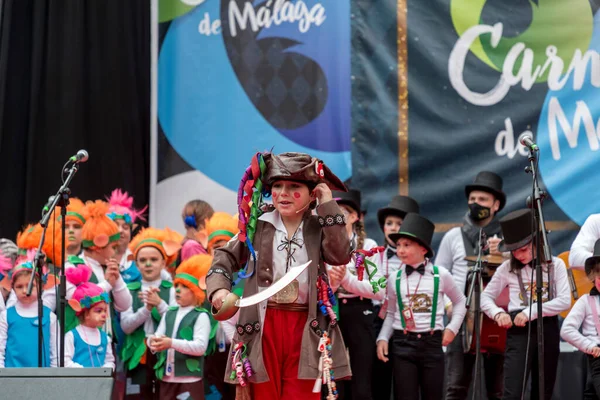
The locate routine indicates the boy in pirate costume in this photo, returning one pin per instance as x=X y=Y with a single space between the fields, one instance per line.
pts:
x=584 y=315
x=151 y=298
x=100 y=235
x=183 y=335
x=485 y=199
x=122 y=212
x=415 y=314
x=518 y=274
x=390 y=219
x=285 y=340
x=355 y=299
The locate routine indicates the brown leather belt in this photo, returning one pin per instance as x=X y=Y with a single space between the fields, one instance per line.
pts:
x=287 y=306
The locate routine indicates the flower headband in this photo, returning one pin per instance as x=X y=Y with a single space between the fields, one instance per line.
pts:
x=87 y=302
x=126 y=217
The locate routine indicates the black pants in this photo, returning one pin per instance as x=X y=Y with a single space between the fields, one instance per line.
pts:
x=594 y=377
x=356 y=324
x=382 y=377
x=514 y=358
x=460 y=368
x=418 y=366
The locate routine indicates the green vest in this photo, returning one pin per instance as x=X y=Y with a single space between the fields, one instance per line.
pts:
x=134 y=345
x=185 y=365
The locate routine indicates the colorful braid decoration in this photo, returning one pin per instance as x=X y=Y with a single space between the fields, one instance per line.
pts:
x=362 y=263
x=325 y=369
x=240 y=365
x=326 y=299
x=251 y=190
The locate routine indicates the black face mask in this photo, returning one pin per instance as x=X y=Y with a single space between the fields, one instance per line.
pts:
x=478 y=212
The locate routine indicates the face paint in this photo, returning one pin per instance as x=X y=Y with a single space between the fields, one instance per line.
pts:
x=296 y=195
x=177 y=290
x=275 y=195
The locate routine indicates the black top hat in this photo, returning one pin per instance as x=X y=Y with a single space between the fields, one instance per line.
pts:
x=516 y=230
x=417 y=228
x=488 y=182
x=350 y=198
x=399 y=206
x=591 y=262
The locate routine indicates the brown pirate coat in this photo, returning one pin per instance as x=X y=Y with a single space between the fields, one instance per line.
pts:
x=324 y=244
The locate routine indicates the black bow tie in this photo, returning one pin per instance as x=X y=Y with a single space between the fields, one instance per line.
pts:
x=391 y=252
x=594 y=291
x=420 y=269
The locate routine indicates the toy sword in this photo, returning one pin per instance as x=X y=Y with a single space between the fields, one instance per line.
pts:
x=233 y=302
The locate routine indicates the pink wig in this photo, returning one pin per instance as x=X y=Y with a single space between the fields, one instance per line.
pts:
x=122 y=204
x=86 y=293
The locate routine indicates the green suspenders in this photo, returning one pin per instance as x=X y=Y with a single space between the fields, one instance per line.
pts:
x=436 y=286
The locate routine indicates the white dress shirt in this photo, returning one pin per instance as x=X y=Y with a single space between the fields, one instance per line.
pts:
x=28 y=311
x=386 y=266
x=503 y=278
x=422 y=317
x=131 y=320
x=195 y=347
x=581 y=315
x=353 y=287
x=451 y=255
x=92 y=337
x=300 y=255
x=583 y=246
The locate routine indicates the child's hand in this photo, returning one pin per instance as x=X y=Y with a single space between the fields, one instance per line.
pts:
x=448 y=337
x=323 y=193
x=336 y=274
x=152 y=298
x=503 y=320
x=595 y=351
x=112 y=273
x=493 y=243
x=382 y=350
x=521 y=319
x=161 y=343
x=218 y=297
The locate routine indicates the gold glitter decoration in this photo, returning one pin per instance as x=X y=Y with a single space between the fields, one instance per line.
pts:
x=402 y=98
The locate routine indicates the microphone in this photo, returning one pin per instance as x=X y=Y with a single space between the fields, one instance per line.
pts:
x=48 y=204
x=528 y=142
x=81 y=157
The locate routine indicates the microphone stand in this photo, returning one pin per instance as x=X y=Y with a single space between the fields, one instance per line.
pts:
x=543 y=254
x=62 y=199
x=475 y=292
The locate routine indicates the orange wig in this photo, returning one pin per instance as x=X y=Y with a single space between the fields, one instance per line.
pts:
x=192 y=273
x=221 y=226
x=159 y=239
x=99 y=230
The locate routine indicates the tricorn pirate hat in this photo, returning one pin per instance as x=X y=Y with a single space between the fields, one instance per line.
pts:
x=300 y=167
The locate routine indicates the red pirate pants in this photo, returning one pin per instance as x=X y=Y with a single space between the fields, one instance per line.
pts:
x=281 y=344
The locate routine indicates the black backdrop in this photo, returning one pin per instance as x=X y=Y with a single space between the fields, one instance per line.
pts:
x=73 y=74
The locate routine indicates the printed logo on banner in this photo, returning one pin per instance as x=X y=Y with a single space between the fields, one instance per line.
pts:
x=547 y=42
x=236 y=77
